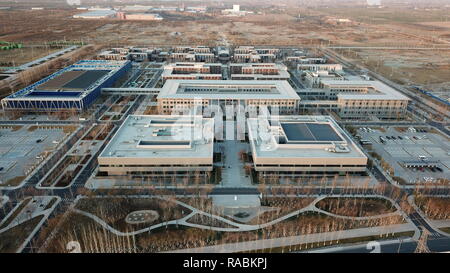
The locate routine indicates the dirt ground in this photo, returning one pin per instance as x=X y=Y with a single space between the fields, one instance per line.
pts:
x=19 y=56
x=292 y=27
x=429 y=68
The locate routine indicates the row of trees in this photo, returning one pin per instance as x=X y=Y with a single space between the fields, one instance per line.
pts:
x=435 y=208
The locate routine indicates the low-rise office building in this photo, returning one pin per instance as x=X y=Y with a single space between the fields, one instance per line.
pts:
x=319 y=67
x=259 y=71
x=148 y=145
x=313 y=79
x=250 y=54
x=356 y=99
x=192 y=71
x=184 y=94
x=303 y=145
x=192 y=54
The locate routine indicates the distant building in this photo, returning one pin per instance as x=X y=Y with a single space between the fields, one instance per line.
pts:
x=319 y=67
x=192 y=71
x=259 y=71
x=136 y=8
x=96 y=14
x=143 y=16
x=235 y=11
x=196 y=9
x=192 y=54
x=249 y=54
x=126 y=53
x=373 y=2
x=223 y=54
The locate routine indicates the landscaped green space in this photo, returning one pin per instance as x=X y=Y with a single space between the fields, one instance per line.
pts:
x=436 y=208
x=356 y=207
x=114 y=210
x=13 y=238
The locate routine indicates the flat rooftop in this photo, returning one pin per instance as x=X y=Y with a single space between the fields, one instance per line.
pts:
x=300 y=137
x=95 y=13
x=222 y=89
x=376 y=90
x=162 y=136
x=308 y=131
x=72 y=82
x=281 y=70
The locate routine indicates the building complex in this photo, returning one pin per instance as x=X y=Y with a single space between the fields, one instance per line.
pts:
x=184 y=94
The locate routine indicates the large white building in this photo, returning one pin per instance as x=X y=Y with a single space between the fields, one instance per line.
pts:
x=184 y=94
x=158 y=144
x=250 y=54
x=358 y=99
x=303 y=145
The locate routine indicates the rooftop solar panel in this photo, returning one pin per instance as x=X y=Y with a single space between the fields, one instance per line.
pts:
x=296 y=132
x=57 y=82
x=323 y=132
x=85 y=80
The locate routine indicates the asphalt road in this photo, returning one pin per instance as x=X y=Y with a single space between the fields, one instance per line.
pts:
x=434 y=245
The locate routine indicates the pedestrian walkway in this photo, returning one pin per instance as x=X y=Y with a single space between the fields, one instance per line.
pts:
x=233 y=174
x=296 y=240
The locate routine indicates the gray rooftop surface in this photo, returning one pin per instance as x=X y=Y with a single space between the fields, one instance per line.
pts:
x=135 y=134
x=309 y=132
x=223 y=89
x=85 y=80
x=300 y=149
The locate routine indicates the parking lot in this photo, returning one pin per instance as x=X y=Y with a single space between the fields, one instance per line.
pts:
x=22 y=148
x=415 y=154
x=77 y=159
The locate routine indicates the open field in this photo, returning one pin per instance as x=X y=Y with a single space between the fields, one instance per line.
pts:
x=259 y=29
x=19 y=56
x=388 y=15
x=429 y=68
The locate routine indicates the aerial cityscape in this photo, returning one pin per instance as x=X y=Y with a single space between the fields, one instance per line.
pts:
x=205 y=126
